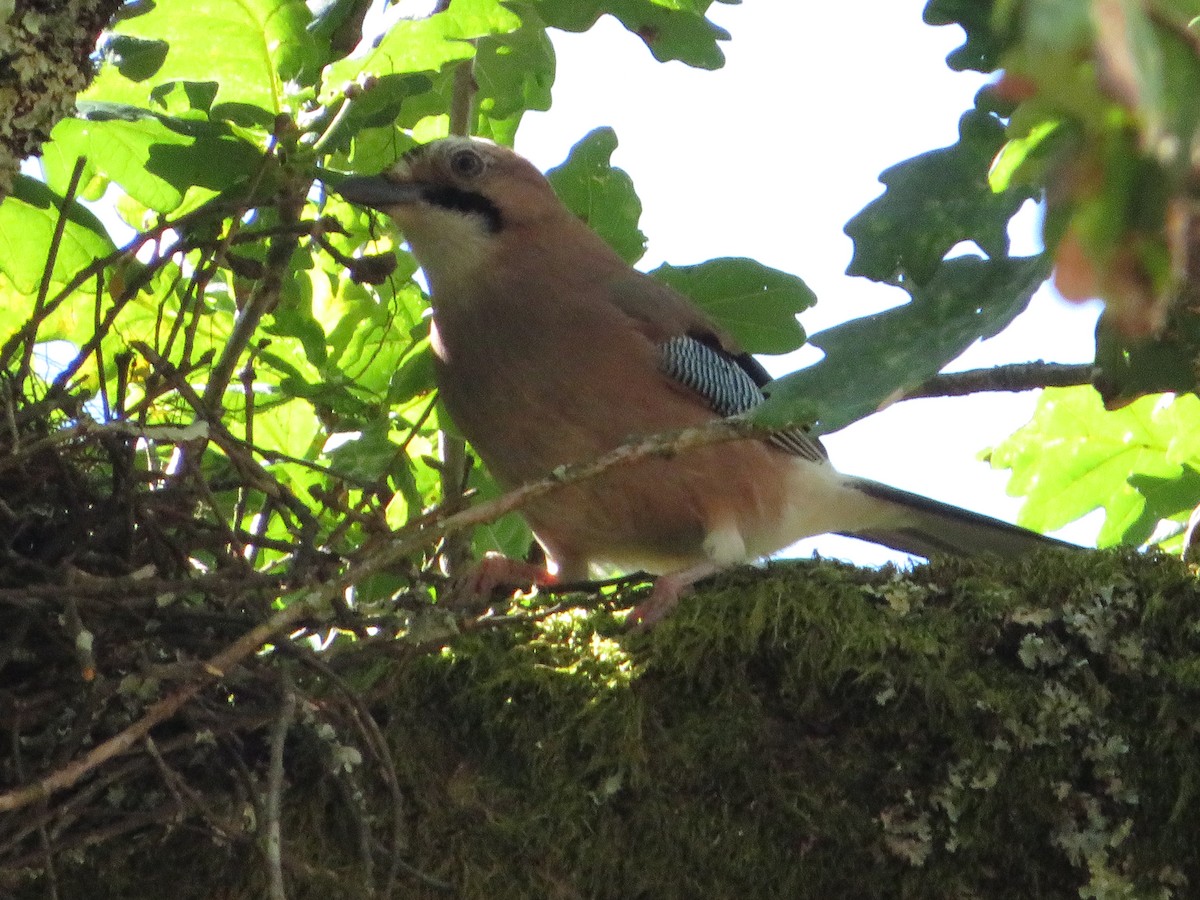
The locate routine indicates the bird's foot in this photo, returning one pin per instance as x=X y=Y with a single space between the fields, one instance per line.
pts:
x=663 y=598
x=665 y=595
x=496 y=571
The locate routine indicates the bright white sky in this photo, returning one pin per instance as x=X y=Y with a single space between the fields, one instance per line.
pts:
x=769 y=157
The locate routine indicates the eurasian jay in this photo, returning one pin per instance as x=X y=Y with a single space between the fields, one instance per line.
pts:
x=551 y=350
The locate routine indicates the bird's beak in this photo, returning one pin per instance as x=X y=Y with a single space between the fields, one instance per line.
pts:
x=378 y=191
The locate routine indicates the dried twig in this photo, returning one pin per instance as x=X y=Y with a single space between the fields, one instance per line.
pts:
x=28 y=334
x=274 y=829
x=1016 y=377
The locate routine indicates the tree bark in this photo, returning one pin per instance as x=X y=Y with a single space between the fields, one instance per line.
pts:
x=45 y=61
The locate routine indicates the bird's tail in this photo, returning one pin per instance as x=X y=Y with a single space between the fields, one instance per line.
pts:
x=926 y=527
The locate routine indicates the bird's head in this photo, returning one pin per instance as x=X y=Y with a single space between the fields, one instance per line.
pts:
x=456 y=200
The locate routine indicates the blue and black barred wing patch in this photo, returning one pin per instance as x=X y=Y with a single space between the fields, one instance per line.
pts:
x=728 y=388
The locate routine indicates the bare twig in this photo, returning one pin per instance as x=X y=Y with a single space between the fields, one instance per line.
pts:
x=234 y=448
x=29 y=333
x=214 y=208
x=452 y=449
x=47 y=847
x=418 y=534
x=120 y=743
x=279 y=732
x=1016 y=377
x=373 y=737
x=262 y=298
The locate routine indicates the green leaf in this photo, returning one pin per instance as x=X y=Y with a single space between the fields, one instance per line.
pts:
x=1133 y=366
x=367 y=458
x=933 y=202
x=135 y=58
x=601 y=195
x=1166 y=499
x=424 y=45
x=514 y=71
x=338 y=23
x=292 y=428
x=369 y=132
x=870 y=361
x=296 y=320
x=156 y=160
x=1074 y=456
x=415 y=376
x=251 y=48
x=755 y=303
x=27 y=222
x=509 y=535
x=672 y=29
x=984 y=40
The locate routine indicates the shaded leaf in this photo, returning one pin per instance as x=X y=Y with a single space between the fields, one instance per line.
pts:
x=600 y=195
x=933 y=202
x=1166 y=499
x=367 y=458
x=756 y=303
x=135 y=58
x=870 y=361
x=672 y=29
x=984 y=42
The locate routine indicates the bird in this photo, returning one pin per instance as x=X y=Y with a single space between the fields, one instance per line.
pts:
x=549 y=350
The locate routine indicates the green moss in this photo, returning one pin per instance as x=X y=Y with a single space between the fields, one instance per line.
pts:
x=969 y=729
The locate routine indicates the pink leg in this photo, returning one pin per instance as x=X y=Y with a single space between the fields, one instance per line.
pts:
x=666 y=593
x=496 y=570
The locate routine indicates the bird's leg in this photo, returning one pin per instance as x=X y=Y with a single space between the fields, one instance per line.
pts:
x=723 y=547
x=666 y=593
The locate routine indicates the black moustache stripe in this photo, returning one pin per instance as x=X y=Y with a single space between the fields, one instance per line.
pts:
x=466 y=202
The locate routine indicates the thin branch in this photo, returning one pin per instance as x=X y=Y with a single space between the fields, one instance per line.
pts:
x=452 y=450
x=47 y=846
x=373 y=737
x=279 y=732
x=1013 y=378
x=215 y=208
x=29 y=332
x=462 y=101
x=424 y=531
x=414 y=536
x=264 y=296
x=123 y=741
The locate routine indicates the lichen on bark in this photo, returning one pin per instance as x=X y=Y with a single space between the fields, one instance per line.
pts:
x=45 y=61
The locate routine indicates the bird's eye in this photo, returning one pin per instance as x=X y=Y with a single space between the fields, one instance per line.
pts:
x=466 y=163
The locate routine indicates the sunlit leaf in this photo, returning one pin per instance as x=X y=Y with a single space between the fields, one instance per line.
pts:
x=27 y=222
x=252 y=48
x=1074 y=457
x=425 y=44
x=155 y=159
